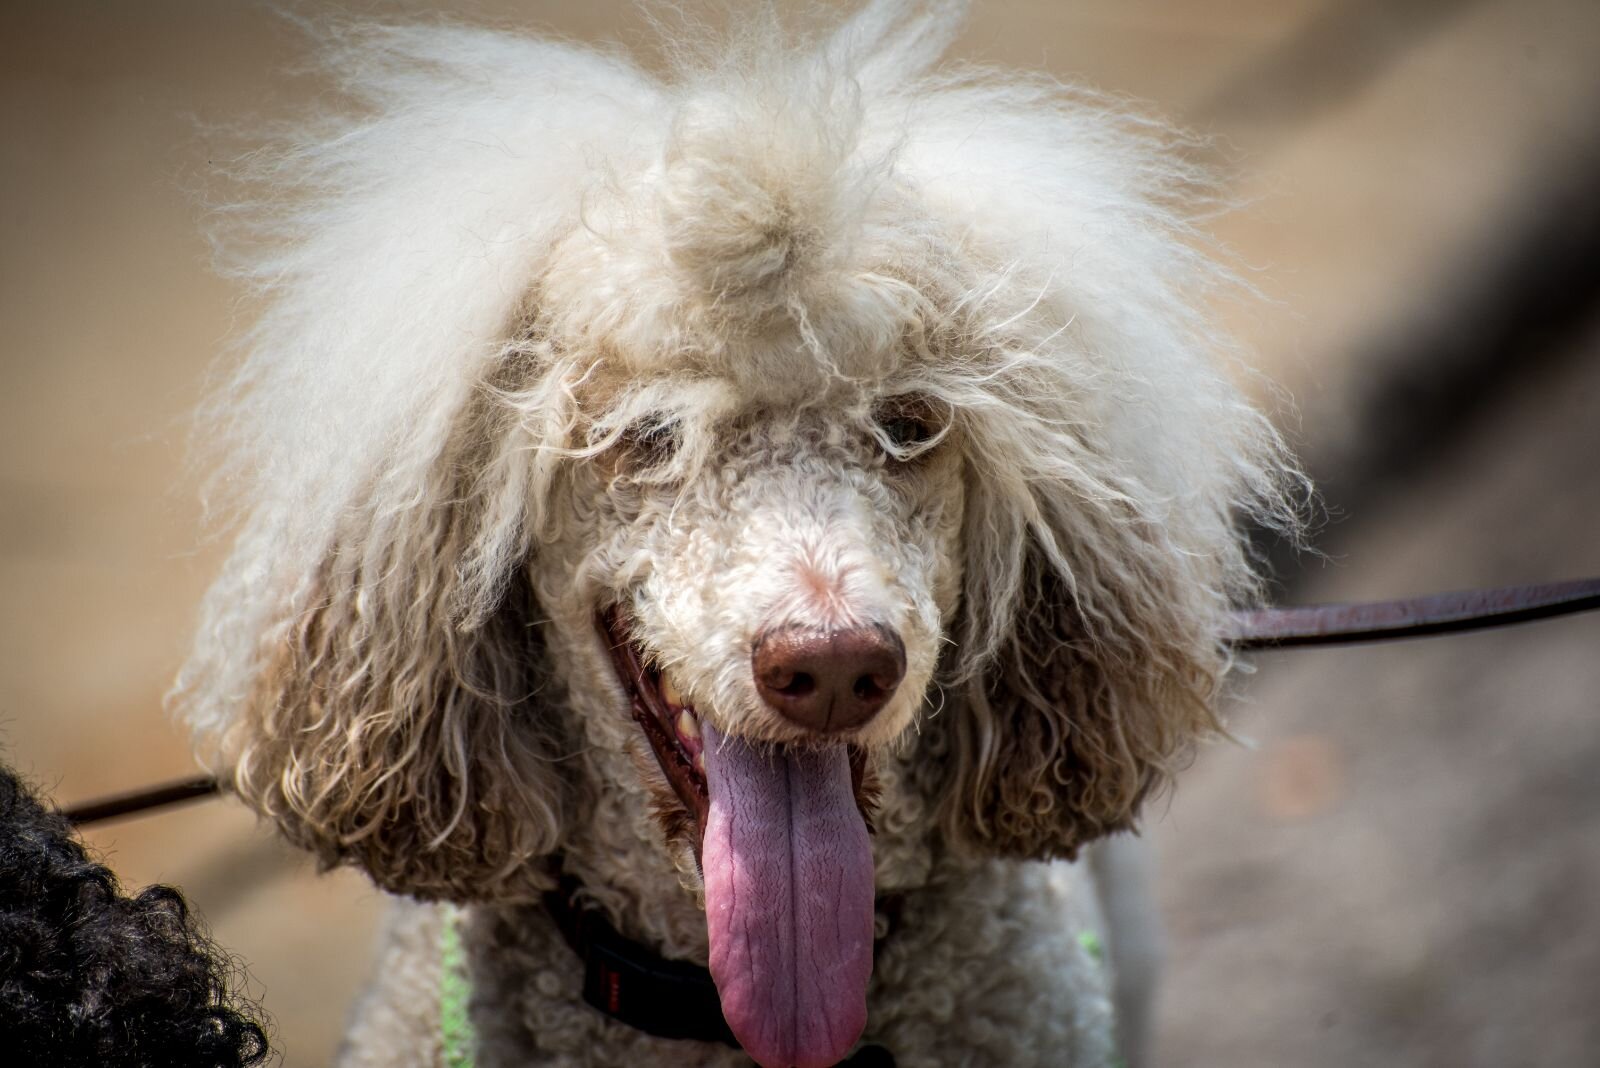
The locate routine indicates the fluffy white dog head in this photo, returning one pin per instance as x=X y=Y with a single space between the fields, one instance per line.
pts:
x=798 y=412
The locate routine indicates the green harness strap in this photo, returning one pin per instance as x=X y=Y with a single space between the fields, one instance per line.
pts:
x=455 y=992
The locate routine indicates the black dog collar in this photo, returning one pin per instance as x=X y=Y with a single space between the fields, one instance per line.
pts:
x=632 y=983
x=635 y=985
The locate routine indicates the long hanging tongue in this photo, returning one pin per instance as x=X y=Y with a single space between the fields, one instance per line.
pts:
x=789 y=900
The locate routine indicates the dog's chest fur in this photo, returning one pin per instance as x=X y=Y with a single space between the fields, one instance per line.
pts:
x=964 y=979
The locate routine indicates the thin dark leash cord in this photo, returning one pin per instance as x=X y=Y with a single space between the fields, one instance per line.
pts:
x=1415 y=617
x=1260 y=629
x=136 y=801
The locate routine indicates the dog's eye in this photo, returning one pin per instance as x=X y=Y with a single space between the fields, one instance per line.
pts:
x=906 y=432
x=908 y=427
x=651 y=441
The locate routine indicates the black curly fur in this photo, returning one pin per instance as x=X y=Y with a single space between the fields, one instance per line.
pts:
x=91 y=977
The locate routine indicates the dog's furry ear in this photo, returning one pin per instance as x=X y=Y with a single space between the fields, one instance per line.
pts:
x=1104 y=672
x=389 y=714
x=367 y=668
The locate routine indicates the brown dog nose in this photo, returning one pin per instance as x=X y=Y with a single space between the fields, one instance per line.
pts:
x=828 y=680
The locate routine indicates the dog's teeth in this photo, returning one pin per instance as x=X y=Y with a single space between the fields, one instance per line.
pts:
x=700 y=761
x=688 y=726
x=670 y=693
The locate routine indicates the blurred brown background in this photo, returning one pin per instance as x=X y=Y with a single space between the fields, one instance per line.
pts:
x=1404 y=868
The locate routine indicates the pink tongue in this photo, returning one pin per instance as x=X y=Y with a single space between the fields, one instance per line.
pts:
x=789 y=901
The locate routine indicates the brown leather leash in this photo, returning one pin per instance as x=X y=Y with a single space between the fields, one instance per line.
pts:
x=1258 y=629
x=1414 y=617
x=136 y=801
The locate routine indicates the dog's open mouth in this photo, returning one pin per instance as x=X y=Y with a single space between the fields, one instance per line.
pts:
x=672 y=727
x=787 y=862
x=675 y=732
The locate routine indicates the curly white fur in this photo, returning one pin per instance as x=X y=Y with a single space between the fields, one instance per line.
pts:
x=543 y=333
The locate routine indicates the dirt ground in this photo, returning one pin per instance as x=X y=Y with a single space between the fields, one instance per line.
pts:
x=1403 y=868
x=1398 y=865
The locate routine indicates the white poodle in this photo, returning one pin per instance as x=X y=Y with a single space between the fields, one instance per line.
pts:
x=779 y=503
